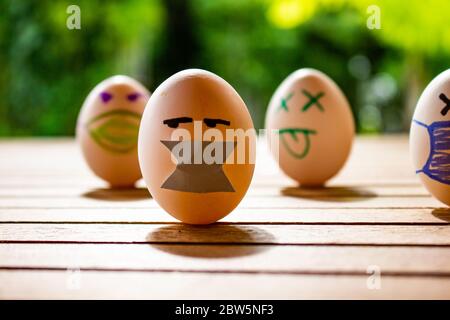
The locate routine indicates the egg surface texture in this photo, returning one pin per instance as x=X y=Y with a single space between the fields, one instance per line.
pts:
x=310 y=127
x=196 y=147
x=108 y=127
x=430 y=137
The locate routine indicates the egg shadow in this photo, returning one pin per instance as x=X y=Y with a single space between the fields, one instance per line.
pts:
x=118 y=194
x=211 y=241
x=442 y=214
x=329 y=194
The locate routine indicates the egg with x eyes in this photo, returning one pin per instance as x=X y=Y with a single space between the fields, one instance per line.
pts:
x=310 y=127
x=107 y=129
x=430 y=137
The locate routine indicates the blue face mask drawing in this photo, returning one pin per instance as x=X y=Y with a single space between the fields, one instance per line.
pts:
x=438 y=165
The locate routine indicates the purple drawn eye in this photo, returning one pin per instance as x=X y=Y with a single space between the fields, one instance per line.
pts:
x=133 y=96
x=106 y=96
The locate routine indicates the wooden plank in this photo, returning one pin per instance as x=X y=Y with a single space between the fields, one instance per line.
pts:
x=88 y=181
x=239 y=216
x=230 y=258
x=244 y=234
x=62 y=163
x=267 y=202
x=245 y=251
x=173 y=285
x=70 y=192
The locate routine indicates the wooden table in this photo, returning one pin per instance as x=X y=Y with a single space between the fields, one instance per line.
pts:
x=375 y=233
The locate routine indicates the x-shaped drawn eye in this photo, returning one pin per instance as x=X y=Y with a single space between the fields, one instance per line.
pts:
x=446 y=100
x=313 y=100
x=284 y=101
x=212 y=123
x=175 y=122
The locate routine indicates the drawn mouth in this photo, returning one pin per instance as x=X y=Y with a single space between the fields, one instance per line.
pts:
x=294 y=140
x=116 y=131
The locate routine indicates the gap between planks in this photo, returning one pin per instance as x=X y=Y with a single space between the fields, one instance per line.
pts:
x=432 y=275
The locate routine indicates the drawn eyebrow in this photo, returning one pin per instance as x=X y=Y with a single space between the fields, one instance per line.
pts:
x=133 y=96
x=105 y=96
x=173 y=123
x=212 y=123
x=446 y=100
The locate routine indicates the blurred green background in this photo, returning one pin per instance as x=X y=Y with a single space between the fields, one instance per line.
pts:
x=46 y=70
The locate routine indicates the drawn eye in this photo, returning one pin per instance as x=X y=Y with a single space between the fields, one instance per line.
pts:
x=175 y=122
x=212 y=123
x=105 y=96
x=446 y=100
x=284 y=102
x=133 y=96
x=313 y=100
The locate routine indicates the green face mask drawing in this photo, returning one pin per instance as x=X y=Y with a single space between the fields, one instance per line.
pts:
x=290 y=137
x=116 y=130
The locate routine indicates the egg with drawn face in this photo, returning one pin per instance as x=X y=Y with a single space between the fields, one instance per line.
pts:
x=197 y=147
x=107 y=129
x=430 y=137
x=310 y=127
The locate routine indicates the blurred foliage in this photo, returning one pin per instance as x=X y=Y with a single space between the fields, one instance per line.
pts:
x=46 y=70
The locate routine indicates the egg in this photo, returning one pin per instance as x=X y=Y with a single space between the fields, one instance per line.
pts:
x=107 y=129
x=430 y=137
x=310 y=127
x=197 y=147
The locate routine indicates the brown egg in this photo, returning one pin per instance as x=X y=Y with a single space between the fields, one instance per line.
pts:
x=430 y=137
x=107 y=129
x=310 y=126
x=193 y=151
